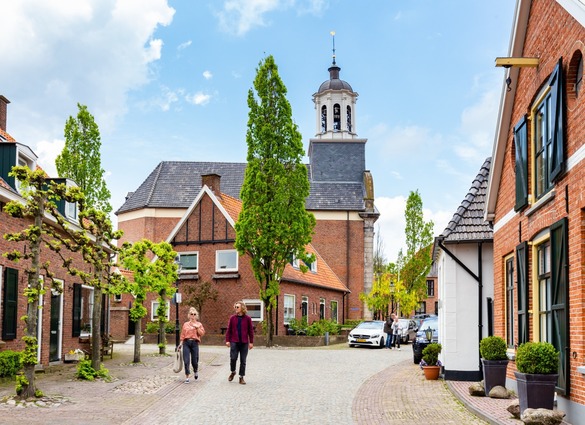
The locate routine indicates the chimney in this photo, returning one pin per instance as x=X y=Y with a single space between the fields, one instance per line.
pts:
x=3 y=112
x=212 y=181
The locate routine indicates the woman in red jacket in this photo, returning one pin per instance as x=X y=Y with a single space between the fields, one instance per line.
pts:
x=239 y=337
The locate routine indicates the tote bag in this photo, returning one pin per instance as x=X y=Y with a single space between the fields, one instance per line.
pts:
x=178 y=362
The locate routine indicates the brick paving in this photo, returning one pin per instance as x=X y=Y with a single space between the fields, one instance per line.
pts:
x=327 y=385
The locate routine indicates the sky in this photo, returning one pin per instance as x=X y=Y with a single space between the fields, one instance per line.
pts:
x=167 y=80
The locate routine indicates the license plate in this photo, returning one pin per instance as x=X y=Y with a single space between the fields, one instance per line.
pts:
x=361 y=340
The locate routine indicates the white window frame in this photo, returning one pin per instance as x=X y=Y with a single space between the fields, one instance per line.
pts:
x=189 y=253
x=250 y=302
x=219 y=267
x=83 y=332
x=288 y=317
x=153 y=308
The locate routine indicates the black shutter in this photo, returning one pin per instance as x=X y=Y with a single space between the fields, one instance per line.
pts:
x=521 y=166
x=557 y=158
x=10 y=308
x=76 y=326
x=560 y=299
x=522 y=276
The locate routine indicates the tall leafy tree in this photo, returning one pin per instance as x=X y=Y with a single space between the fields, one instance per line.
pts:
x=416 y=264
x=154 y=270
x=80 y=159
x=198 y=295
x=273 y=225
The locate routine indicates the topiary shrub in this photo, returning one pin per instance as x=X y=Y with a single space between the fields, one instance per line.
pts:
x=430 y=354
x=10 y=363
x=493 y=348
x=537 y=358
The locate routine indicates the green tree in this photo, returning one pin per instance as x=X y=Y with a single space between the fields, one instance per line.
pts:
x=80 y=159
x=273 y=225
x=154 y=270
x=199 y=294
x=380 y=295
x=416 y=264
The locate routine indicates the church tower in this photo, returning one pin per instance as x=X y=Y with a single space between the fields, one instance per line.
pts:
x=337 y=170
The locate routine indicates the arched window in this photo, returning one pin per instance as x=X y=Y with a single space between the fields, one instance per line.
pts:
x=336 y=117
x=349 y=119
x=323 y=119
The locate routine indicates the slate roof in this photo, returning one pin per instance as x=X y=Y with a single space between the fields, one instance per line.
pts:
x=175 y=184
x=468 y=222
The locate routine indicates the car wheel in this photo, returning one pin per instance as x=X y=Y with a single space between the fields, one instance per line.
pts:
x=351 y=345
x=381 y=345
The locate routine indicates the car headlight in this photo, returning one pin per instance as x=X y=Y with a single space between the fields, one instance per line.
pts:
x=375 y=335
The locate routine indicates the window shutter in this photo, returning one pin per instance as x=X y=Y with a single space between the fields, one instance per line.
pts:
x=521 y=166
x=522 y=276
x=10 y=310
x=76 y=326
x=560 y=299
x=557 y=157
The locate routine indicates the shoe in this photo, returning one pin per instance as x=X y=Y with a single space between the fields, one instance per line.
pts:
x=187 y=381
x=196 y=376
x=231 y=377
x=242 y=380
x=399 y=349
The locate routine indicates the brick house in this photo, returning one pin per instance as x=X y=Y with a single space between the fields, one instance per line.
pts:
x=341 y=198
x=535 y=193
x=65 y=316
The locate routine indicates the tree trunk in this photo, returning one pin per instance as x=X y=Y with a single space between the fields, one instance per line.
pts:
x=96 y=329
x=162 y=333
x=269 y=328
x=137 y=340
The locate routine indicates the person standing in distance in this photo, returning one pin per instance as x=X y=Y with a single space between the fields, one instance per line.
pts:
x=239 y=337
x=191 y=334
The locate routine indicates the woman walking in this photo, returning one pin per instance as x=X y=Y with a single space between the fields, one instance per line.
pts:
x=239 y=337
x=191 y=334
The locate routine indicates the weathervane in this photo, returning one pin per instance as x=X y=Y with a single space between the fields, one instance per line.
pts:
x=333 y=35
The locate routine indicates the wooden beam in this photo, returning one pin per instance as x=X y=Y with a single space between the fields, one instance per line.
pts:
x=508 y=62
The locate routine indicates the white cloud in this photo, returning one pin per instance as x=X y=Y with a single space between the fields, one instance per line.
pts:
x=207 y=75
x=47 y=152
x=184 y=45
x=406 y=140
x=198 y=98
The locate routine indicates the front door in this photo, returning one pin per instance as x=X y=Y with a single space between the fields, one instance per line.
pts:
x=54 y=340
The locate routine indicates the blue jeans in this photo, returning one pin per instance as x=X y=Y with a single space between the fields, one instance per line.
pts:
x=191 y=355
x=240 y=348
x=388 y=340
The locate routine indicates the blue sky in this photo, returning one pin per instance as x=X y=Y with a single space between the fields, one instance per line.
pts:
x=168 y=80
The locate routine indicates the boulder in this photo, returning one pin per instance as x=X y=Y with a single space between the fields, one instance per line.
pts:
x=514 y=408
x=499 y=392
x=477 y=389
x=542 y=416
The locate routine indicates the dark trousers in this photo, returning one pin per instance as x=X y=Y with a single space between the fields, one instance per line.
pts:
x=191 y=355
x=396 y=341
x=240 y=348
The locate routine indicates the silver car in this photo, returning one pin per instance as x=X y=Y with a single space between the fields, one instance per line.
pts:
x=408 y=330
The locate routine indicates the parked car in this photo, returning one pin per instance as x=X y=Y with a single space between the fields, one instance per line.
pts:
x=419 y=318
x=429 y=326
x=408 y=330
x=369 y=333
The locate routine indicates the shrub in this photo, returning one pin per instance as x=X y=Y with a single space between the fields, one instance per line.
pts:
x=88 y=373
x=493 y=348
x=299 y=327
x=10 y=363
x=318 y=328
x=152 y=327
x=538 y=358
x=430 y=354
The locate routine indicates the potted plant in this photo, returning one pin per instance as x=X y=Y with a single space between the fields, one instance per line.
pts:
x=430 y=363
x=537 y=375
x=494 y=360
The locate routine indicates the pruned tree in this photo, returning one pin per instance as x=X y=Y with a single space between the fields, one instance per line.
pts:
x=154 y=270
x=80 y=159
x=197 y=295
x=273 y=225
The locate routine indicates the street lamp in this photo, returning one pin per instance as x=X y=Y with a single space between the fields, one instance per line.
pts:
x=177 y=299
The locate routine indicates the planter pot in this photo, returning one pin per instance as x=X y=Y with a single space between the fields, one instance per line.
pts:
x=494 y=374
x=432 y=372
x=536 y=391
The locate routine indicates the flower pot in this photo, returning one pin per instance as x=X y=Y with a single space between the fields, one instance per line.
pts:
x=432 y=372
x=494 y=374
x=536 y=390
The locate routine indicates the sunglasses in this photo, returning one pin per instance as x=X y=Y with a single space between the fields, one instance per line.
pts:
x=237 y=306
x=192 y=314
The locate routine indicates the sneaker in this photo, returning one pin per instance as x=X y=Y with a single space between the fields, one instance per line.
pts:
x=196 y=376
x=242 y=380
x=231 y=377
x=399 y=349
x=187 y=381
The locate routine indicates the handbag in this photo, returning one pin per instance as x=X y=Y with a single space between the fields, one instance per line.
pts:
x=178 y=362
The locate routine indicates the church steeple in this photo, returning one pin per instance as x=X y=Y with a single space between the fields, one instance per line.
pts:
x=335 y=106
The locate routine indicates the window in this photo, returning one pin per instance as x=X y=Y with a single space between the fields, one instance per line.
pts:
x=544 y=291
x=349 y=119
x=323 y=119
x=189 y=262
x=421 y=309
x=71 y=210
x=522 y=291
x=226 y=261
x=82 y=309
x=289 y=308
x=9 y=303
x=336 y=117
x=296 y=263
x=322 y=308
x=154 y=310
x=313 y=266
x=305 y=306
x=509 y=269
x=334 y=316
x=255 y=310
x=430 y=288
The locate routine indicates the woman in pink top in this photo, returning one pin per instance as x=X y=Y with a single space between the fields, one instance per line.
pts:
x=239 y=337
x=191 y=335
